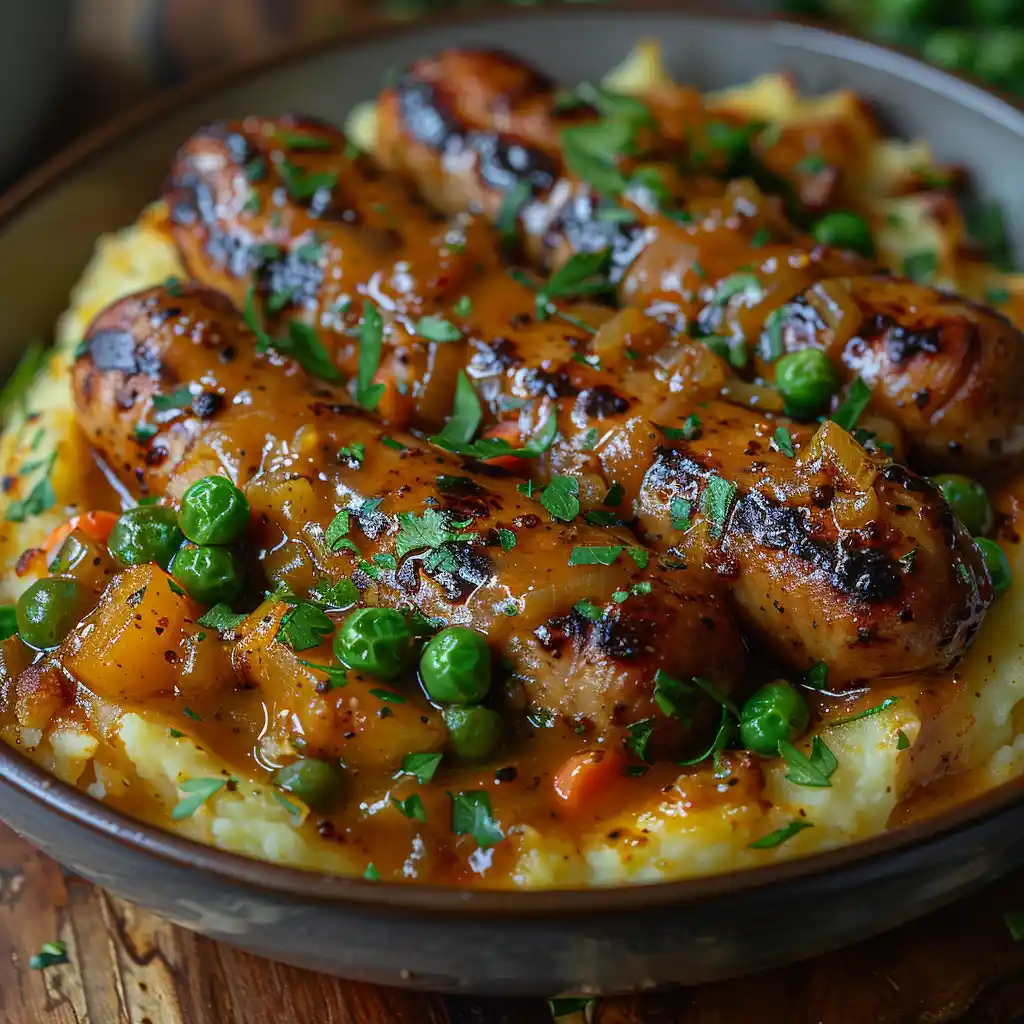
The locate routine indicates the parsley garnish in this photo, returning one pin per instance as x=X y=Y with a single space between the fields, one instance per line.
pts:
x=614 y=496
x=181 y=398
x=299 y=140
x=189 y=713
x=8 y=621
x=569 y=1005
x=422 y=766
x=599 y=517
x=779 y=836
x=639 y=736
x=199 y=790
x=462 y=425
x=813 y=163
x=463 y=307
x=41 y=498
x=591 y=150
x=906 y=562
x=434 y=328
x=921 y=266
x=472 y=815
x=303 y=344
x=783 y=442
x=1015 y=924
x=902 y=740
x=809 y=771
x=854 y=404
x=428 y=531
x=887 y=703
x=371 y=341
x=511 y=203
x=997 y=296
x=587 y=441
x=353 y=453
x=50 y=954
x=304 y=625
x=716 y=501
x=588 y=610
x=387 y=696
x=19 y=384
x=816 y=676
x=335 y=534
x=302 y=184
x=342 y=594
x=293 y=809
x=561 y=498
x=337 y=676
x=411 y=807
x=773 y=346
x=760 y=238
x=679 y=513
x=371 y=874
x=506 y=538
x=675 y=698
x=724 y=732
x=595 y=555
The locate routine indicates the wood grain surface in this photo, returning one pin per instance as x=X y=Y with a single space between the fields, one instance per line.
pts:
x=125 y=965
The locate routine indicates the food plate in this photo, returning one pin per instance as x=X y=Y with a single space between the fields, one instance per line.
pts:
x=528 y=942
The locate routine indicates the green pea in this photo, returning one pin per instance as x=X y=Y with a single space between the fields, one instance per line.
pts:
x=456 y=666
x=316 y=783
x=213 y=511
x=148 y=533
x=48 y=610
x=209 y=574
x=377 y=641
x=845 y=230
x=968 y=500
x=806 y=381
x=997 y=563
x=951 y=48
x=473 y=730
x=774 y=713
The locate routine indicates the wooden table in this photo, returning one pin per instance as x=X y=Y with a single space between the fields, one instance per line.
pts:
x=959 y=964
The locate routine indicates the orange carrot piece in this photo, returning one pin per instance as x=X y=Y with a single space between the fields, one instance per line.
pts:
x=96 y=524
x=584 y=777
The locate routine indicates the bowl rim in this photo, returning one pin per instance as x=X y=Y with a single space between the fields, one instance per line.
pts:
x=68 y=802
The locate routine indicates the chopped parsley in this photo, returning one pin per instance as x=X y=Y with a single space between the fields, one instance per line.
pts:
x=783 y=442
x=854 y=404
x=902 y=740
x=180 y=398
x=639 y=736
x=599 y=517
x=561 y=498
x=743 y=283
x=411 y=807
x=813 y=163
x=997 y=296
x=569 y=1005
x=302 y=184
x=300 y=141
x=760 y=238
x=50 y=954
x=887 y=703
x=19 y=384
x=41 y=498
x=336 y=533
x=337 y=676
x=921 y=266
x=773 y=346
x=506 y=538
x=434 y=328
x=293 y=809
x=371 y=341
x=353 y=453
x=304 y=625
x=303 y=344
x=422 y=766
x=387 y=696
x=429 y=531
x=816 y=677
x=463 y=307
x=689 y=431
x=189 y=713
x=511 y=203
x=588 y=610
x=199 y=790
x=906 y=562
x=591 y=150
x=587 y=441
x=1015 y=924
x=674 y=698
x=371 y=874
x=679 y=513
x=809 y=771
x=724 y=733
x=614 y=496
x=472 y=815
x=465 y=418
x=780 y=835
x=716 y=501
x=342 y=594
x=595 y=555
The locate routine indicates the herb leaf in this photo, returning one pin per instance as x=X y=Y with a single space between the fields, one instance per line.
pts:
x=784 y=442
x=561 y=498
x=411 y=807
x=304 y=625
x=50 y=954
x=639 y=736
x=472 y=815
x=511 y=203
x=506 y=538
x=371 y=342
x=854 y=404
x=887 y=703
x=465 y=418
x=595 y=555
x=221 y=618
x=41 y=498
x=809 y=771
x=780 y=835
x=199 y=790
x=422 y=766
x=716 y=501
x=434 y=328
x=679 y=513
x=303 y=344
x=427 y=531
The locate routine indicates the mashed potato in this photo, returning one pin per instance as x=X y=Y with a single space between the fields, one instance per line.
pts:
x=978 y=729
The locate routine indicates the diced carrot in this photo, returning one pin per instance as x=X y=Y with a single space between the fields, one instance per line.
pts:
x=394 y=408
x=584 y=777
x=96 y=524
x=508 y=430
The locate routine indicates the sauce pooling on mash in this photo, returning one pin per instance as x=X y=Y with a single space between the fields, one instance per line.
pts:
x=563 y=458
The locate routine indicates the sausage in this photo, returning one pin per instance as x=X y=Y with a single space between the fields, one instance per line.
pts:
x=832 y=555
x=427 y=531
x=949 y=371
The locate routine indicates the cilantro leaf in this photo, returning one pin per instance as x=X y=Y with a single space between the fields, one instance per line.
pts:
x=639 y=735
x=411 y=807
x=561 y=498
x=352 y=454
x=716 y=501
x=854 y=404
x=427 y=531
x=371 y=342
x=337 y=676
x=434 y=328
x=466 y=414
x=506 y=538
x=422 y=766
x=341 y=595
x=472 y=815
x=221 y=618
x=674 y=698
x=816 y=677
x=303 y=344
x=780 y=835
x=335 y=534
x=41 y=498
x=679 y=513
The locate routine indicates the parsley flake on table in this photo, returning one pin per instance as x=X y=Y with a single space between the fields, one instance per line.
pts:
x=561 y=498
x=780 y=835
x=808 y=771
x=422 y=766
x=199 y=790
x=50 y=955
x=472 y=815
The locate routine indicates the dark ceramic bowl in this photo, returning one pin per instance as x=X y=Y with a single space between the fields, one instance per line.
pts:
x=527 y=943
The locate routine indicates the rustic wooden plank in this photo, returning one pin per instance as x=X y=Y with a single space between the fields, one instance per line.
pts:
x=957 y=965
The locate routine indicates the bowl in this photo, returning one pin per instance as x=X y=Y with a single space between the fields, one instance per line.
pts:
x=526 y=943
